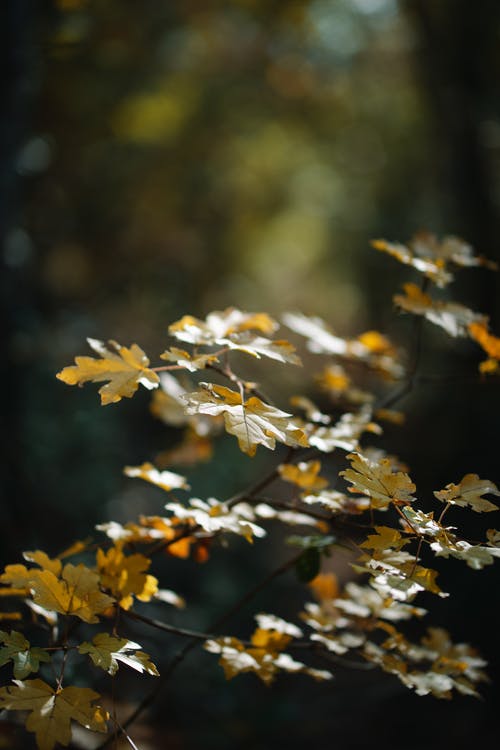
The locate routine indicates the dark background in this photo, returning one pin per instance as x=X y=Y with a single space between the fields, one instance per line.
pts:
x=162 y=158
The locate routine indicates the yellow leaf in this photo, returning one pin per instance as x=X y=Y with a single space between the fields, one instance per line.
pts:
x=478 y=331
x=304 y=475
x=321 y=340
x=325 y=586
x=253 y=422
x=123 y=368
x=468 y=492
x=76 y=593
x=219 y=327
x=166 y=480
x=125 y=576
x=376 y=342
x=379 y=481
x=385 y=538
x=184 y=359
x=107 y=650
x=51 y=711
x=453 y=317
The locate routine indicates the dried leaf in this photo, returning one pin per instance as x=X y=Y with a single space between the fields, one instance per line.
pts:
x=468 y=493
x=379 y=481
x=124 y=368
x=304 y=475
x=322 y=340
x=51 y=711
x=125 y=575
x=454 y=318
x=253 y=421
x=166 y=480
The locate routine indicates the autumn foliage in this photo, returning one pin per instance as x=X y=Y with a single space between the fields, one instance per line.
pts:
x=371 y=507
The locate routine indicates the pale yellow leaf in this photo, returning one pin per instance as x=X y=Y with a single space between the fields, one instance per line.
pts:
x=124 y=368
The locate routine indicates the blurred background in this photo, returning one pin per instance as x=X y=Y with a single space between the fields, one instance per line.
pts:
x=168 y=157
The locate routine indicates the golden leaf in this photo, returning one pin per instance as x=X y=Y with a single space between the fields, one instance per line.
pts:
x=124 y=368
x=218 y=327
x=322 y=340
x=325 y=586
x=453 y=317
x=253 y=421
x=75 y=592
x=468 y=492
x=385 y=538
x=379 y=481
x=125 y=576
x=52 y=711
x=304 y=475
x=166 y=480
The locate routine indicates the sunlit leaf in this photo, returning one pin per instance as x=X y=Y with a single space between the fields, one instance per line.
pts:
x=378 y=481
x=107 y=650
x=166 y=480
x=124 y=368
x=453 y=317
x=51 y=711
x=253 y=421
x=468 y=493
x=125 y=575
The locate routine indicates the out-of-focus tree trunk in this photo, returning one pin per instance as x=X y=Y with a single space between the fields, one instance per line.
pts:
x=458 y=59
x=17 y=94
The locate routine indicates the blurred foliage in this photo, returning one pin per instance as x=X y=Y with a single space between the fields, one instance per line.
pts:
x=162 y=158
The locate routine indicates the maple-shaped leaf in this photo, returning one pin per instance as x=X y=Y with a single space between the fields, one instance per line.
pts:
x=396 y=575
x=264 y=657
x=432 y=257
x=322 y=340
x=232 y=329
x=51 y=711
x=345 y=433
x=453 y=317
x=193 y=363
x=338 y=502
x=258 y=346
x=125 y=575
x=253 y=422
x=384 y=538
x=292 y=517
x=166 y=480
x=364 y=602
x=379 y=481
x=304 y=475
x=219 y=326
x=213 y=516
x=75 y=592
x=468 y=493
x=168 y=404
x=432 y=267
x=107 y=650
x=475 y=555
x=124 y=368
x=424 y=523
x=18 y=650
x=152 y=529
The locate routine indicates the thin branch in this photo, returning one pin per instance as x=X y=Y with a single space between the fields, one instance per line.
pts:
x=189 y=646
